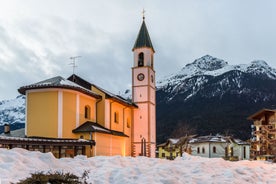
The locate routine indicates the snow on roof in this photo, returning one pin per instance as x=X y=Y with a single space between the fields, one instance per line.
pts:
x=173 y=141
x=100 y=129
x=58 y=82
x=216 y=138
x=17 y=164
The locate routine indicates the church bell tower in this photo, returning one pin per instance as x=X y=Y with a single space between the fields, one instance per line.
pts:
x=143 y=95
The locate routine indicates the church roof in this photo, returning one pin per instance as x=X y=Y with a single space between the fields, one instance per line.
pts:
x=80 y=81
x=58 y=82
x=117 y=98
x=143 y=38
x=89 y=126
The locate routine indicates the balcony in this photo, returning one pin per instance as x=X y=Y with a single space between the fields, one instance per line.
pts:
x=260 y=132
x=256 y=123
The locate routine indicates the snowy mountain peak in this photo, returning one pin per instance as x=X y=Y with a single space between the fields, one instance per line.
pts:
x=259 y=63
x=12 y=111
x=208 y=63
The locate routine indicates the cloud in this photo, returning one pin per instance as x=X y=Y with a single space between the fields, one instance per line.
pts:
x=37 y=38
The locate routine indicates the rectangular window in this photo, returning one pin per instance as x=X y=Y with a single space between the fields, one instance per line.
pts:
x=232 y=151
x=116 y=117
x=244 y=152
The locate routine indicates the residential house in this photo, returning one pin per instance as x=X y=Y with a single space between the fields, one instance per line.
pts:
x=263 y=142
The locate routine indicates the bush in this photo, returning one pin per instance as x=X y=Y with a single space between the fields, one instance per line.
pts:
x=55 y=178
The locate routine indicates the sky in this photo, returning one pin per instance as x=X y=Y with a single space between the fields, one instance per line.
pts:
x=37 y=38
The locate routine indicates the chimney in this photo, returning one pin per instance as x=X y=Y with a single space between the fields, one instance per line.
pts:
x=6 y=128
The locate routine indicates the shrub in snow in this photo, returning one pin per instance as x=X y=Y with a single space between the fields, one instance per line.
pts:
x=55 y=178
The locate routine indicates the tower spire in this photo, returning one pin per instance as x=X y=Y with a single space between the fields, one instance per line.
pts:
x=143 y=38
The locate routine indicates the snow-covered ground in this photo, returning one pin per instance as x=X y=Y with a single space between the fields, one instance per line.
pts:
x=18 y=163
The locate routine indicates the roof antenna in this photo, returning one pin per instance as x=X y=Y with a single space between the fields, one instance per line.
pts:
x=73 y=63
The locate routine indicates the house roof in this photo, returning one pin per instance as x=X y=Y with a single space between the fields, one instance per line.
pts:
x=44 y=141
x=217 y=139
x=260 y=113
x=89 y=126
x=15 y=133
x=143 y=38
x=58 y=82
x=169 y=141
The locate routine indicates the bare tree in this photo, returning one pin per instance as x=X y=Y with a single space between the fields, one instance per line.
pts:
x=183 y=143
x=183 y=129
x=184 y=132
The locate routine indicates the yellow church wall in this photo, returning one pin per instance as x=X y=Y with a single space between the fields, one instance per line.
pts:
x=87 y=101
x=109 y=145
x=69 y=114
x=42 y=113
x=127 y=121
x=103 y=143
x=101 y=119
x=118 y=119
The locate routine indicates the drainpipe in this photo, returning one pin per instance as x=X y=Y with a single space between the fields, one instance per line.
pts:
x=110 y=117
x=96 y=109
x=124 y=119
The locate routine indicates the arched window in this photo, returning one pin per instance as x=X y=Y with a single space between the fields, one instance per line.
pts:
x=198 y=150
x=87 y=112
x=116 y=117
x=203 y=150
x=214 y=149
x=141 y=59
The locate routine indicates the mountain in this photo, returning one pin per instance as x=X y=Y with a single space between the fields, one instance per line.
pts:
x=12 y=112
x=210 y=96
x=207 y=96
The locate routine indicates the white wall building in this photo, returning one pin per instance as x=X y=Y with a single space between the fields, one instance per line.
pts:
x=220 y=146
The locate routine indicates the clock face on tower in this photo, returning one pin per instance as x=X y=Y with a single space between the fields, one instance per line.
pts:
x=140 y=76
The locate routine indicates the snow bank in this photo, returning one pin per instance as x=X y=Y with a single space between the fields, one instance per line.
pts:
x=18 y=163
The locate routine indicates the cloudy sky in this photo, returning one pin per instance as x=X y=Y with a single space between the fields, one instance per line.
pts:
x=37 y=37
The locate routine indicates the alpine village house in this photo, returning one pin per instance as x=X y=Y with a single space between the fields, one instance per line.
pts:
x=73 y=116
x=263 y=144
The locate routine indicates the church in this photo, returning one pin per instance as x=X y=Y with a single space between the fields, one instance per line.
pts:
x=71 y=116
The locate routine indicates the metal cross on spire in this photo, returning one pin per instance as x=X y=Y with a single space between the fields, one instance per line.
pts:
x=143 y=13
x=73 y=63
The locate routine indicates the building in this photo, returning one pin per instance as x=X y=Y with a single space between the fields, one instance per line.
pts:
x=220 y=147
x=75 y=116
x=169 y=150
x=206 y=146
x=263 y=143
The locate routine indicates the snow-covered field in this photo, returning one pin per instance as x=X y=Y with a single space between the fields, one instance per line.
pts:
x=18 y=163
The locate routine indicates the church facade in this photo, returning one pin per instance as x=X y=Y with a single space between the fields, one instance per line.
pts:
x=75 y=109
